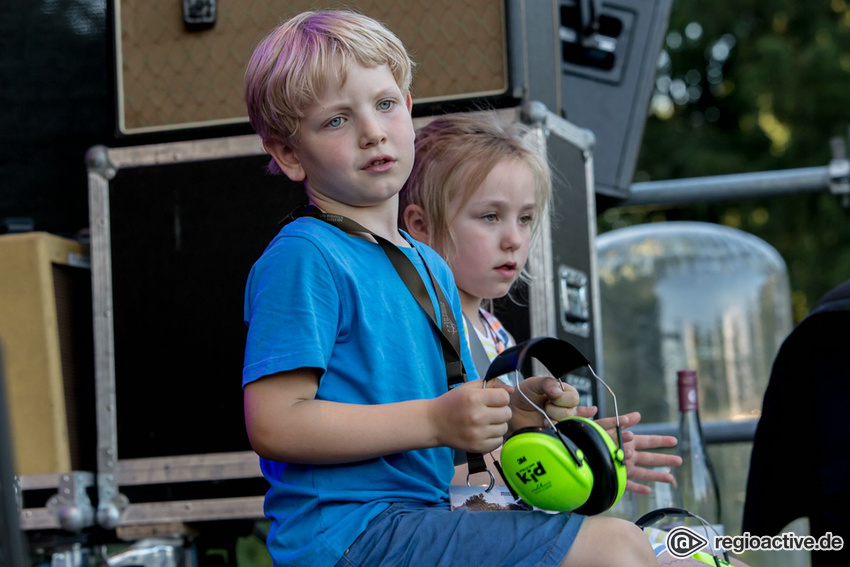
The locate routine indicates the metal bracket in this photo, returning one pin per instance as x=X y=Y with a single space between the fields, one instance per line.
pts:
x=69 y=509
x=71 y=505
x=593 y=43
x=574 y=295
x=199 y=15
x=98 y=161
x=839 y=170
x=111 y=503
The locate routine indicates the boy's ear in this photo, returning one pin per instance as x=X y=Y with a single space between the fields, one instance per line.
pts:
x=409 y=102
x=416 y=223
x=286 y=158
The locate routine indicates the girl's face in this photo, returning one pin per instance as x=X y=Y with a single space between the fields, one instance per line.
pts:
x=492 y=233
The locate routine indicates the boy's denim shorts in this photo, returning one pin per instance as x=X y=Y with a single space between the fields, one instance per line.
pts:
x=414 y=534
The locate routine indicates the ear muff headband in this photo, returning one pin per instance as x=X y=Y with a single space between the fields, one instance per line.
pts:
x=653 y=516
x=579 y=447
x=558 y=356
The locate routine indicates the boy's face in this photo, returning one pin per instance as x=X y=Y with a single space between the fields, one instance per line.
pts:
x=492 y=233
x=356 y=144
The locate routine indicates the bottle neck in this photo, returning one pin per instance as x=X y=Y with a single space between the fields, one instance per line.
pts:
x=689 y=421
x=688 y=398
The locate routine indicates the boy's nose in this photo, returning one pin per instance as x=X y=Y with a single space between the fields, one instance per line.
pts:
x=372 y=133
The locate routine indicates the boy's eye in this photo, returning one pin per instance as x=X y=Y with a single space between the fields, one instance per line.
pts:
x=385 y=105
x=335 y=122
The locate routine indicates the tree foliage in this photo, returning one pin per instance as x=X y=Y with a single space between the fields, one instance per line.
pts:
x=754 y=85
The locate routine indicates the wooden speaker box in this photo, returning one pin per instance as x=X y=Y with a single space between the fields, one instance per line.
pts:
x=173 y=76
x=46 y=326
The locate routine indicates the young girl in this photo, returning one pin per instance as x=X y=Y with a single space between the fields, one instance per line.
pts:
x=476 y=194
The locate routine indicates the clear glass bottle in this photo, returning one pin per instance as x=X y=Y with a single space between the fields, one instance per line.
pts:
x=698 y=488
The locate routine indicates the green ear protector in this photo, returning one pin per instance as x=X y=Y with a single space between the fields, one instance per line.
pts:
x=575 y=466
x=689 y=541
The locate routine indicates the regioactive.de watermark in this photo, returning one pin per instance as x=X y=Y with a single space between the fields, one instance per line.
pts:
x=684 y=542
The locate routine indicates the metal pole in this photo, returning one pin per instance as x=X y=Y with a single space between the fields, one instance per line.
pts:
x=715 y=431
x=729 y=187
x=834 y=178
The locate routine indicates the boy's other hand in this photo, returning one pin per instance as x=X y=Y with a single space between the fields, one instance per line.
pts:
x=470 y=417
x=557 y=399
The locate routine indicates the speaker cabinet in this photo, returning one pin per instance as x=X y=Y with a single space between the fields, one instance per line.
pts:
x=46 y=326
x=171 y=74
x=593 y=63
x=607 y=79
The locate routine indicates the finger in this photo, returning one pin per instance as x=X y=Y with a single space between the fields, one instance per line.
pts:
x=486 y=445
x=547 y=387
x=654 y=441
x=610 y=423
x=650 y=475
x=557 y=413
x=586 y=411
x=499 y=385
x=649 y=459
x=607 y=423
x=496 y=397
x=634 y=418
x=561 y=393
x=637 y=488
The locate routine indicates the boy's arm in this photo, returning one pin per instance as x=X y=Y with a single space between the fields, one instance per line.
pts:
x=286 y=423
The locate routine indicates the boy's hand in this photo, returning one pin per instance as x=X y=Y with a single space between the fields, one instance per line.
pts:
x=557 y=399
x=470 y=417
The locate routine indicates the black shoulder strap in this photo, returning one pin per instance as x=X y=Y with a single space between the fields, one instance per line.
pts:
x=447 y=328
x=448 y=331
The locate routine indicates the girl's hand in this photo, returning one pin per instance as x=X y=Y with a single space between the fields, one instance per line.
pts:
x=640 y=461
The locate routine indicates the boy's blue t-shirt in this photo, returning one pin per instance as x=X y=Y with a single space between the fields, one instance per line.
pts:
x=322 y=299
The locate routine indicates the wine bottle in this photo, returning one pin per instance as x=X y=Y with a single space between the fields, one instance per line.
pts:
x=697 y=482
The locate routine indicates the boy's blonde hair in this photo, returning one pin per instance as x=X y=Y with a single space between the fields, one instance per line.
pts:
x=454 y=155
x=290 y=67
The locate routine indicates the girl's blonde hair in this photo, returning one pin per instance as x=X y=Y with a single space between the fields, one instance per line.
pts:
x=454 y=155
x=290 y=67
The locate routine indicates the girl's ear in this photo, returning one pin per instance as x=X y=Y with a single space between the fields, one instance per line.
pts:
x=286 y=158
x=416 y=223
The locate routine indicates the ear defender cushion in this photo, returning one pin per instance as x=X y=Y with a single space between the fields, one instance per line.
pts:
x=543 y=472
x=605 y=459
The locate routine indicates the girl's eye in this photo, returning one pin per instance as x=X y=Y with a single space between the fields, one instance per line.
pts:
x=489 y=217
x=385 y=105
x=335 y=122
x=526 y=219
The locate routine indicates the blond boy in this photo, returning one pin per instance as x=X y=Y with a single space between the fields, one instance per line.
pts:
x=345 y=383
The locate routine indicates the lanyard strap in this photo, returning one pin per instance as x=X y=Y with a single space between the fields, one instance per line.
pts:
x=449 y=335
x=448 y=331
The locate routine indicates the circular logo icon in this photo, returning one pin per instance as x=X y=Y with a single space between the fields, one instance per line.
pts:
x=684 y=542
